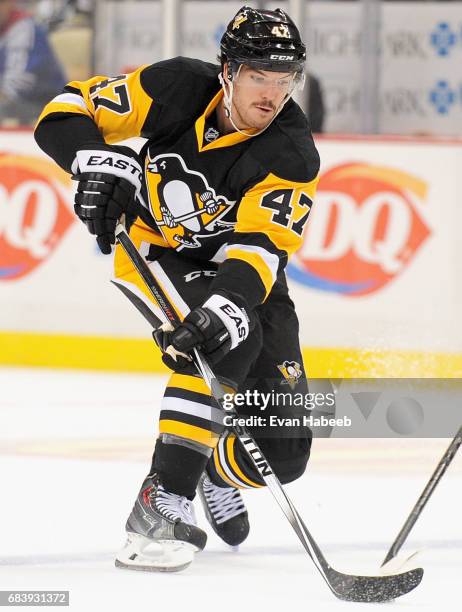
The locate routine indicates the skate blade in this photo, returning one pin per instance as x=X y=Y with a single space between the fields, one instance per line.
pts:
x=143 y=554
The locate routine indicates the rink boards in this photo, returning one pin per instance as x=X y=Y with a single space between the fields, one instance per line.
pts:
x=376 y=282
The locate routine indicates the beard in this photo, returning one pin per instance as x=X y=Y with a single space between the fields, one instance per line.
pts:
x=252 y=116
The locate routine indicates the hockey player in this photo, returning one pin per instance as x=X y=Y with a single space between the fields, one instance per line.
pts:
x=217 y=201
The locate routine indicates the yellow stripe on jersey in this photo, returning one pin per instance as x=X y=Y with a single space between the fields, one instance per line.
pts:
x=133 y=277
x=279 y=209
x=118 y=106
x=189 y=432
x=139 y=232
x=232 y=460
x=227 y=140
x=125 y=271
x=61 y=107
x=254 y=215
x=193 y=383
x=256 y=261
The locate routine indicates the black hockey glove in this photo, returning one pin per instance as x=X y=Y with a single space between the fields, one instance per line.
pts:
x=216 y=327
x=109 y=182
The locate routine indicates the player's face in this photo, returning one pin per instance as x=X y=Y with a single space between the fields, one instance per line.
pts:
x=257 y=95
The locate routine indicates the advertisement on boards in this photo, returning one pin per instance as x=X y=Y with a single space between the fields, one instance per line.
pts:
x=420 y=87
x=378 y=267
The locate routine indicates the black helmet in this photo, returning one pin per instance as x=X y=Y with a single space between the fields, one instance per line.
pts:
x=267 y=40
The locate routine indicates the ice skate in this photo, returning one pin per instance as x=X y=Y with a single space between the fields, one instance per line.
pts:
x=225 y=511
x=161 y=531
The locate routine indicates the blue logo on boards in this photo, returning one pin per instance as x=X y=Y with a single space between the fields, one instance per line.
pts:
x=442 y=97
x=305 y=277
x=12 y=271
x=443 y=38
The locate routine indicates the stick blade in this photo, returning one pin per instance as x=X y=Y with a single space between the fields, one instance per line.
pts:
x=401 y=563
x=370 y=589
x=143 y=308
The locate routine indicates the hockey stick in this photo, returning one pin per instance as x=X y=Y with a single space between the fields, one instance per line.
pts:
x=425 y=496
x=344 y=586
x=185 y=217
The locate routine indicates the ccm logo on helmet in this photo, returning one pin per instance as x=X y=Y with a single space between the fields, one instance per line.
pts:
x=275 y=56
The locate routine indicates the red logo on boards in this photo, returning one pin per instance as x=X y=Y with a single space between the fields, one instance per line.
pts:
x=365 y=228
x=34 y=215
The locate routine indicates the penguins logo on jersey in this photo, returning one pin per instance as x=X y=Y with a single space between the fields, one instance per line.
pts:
x=291 y=371
x=183 y=204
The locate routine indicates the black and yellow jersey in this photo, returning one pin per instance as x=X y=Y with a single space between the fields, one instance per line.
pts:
x=237 y=200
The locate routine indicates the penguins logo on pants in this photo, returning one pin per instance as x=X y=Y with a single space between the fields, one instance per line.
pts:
x=292 y=372
x=183 y=204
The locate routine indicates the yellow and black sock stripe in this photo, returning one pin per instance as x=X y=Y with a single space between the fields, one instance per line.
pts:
x=227 y=464
x=188 y=411
x=188 y=382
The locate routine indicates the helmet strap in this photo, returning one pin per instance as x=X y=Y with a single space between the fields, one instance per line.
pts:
x=228 y=90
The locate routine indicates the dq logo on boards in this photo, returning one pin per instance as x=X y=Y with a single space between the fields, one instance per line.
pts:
x=34 y=215
x=364 y=229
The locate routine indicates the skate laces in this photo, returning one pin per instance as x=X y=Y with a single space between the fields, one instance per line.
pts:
x=223 y=502
x=174 y=506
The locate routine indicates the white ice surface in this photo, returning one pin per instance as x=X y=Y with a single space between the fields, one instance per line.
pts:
x=74 y=448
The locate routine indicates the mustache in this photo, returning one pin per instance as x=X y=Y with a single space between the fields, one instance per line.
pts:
x=265 y=105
